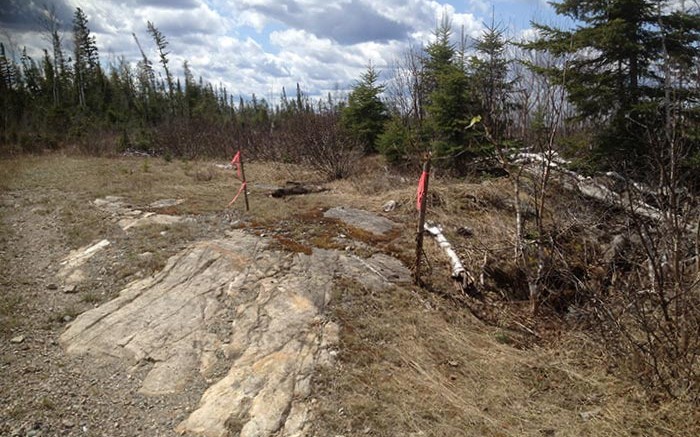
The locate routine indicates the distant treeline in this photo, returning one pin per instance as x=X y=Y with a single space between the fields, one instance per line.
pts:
x=612 y=92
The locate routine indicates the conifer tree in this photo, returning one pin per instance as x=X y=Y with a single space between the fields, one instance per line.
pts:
x=86 y=65
x=60 y=79
x=450 y=106
x=612 y=70
x=489 y=80
x=365 y=114
x=161 y=45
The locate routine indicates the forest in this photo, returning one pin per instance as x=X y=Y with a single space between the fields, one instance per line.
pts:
x=610 y=92
x=617 y=93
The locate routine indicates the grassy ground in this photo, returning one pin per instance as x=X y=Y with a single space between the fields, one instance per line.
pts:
x=412 y=361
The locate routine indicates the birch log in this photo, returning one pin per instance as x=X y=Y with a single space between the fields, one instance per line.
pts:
x=459 y=273
x=589 y=188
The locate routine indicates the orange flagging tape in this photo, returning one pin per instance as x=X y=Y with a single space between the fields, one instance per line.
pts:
x=240 y=190
x=236 y=161
x=420 y=194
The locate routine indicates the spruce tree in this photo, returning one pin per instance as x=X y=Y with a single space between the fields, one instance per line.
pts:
x=86 y=65
x=161 y=45
x=365 y=114
x=612 y=72
x=489 y=80
x=450 y=105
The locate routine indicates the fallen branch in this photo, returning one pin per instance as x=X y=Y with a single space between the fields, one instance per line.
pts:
x=589 y=188
x=464 y=278
x=295 y=189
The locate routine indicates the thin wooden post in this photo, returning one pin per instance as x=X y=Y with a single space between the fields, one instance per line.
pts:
x=421 y=218
x=245 y=185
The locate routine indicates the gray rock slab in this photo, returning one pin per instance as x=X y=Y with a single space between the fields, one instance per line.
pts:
x=235 y=303
x=127 y=217
x=361 y=219
x=149 y=219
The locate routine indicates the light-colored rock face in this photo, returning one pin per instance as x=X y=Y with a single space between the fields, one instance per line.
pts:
x=72 y=265
x=133 y=218
x=234 y=302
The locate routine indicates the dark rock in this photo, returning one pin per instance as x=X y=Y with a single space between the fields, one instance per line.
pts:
x=465 y=231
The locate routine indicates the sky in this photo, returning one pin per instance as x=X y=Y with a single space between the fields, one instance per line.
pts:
x=260 y=46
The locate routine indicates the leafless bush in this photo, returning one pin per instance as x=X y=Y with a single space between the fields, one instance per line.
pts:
x=318 y=141
x=653 y=318
x=194 y=138
x=313 y=139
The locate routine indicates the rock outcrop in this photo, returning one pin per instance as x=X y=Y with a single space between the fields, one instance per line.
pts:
x=361 y=219
x=127 y=217
x=234 y=304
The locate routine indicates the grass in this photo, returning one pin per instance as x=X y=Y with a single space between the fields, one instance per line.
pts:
x=414 y=365
x=91 y=297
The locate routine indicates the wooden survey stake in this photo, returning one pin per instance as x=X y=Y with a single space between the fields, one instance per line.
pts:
x=245 y=185
x=237 y=161
x=421 y=196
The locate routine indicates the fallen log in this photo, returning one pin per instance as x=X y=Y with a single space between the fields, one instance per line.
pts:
x=296 y=189
x=589 y=188
x=463 y=278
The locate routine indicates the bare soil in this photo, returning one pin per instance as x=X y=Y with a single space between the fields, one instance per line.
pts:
x=413 y=361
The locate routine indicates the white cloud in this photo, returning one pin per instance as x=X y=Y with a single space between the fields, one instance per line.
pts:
x=258 y=46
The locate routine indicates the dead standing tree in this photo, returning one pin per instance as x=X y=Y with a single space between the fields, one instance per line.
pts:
x=531 y=254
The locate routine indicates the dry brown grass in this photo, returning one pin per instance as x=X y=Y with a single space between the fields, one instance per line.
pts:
x=414 y=365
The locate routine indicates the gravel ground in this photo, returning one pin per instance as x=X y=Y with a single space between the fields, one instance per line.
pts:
x=45 y=392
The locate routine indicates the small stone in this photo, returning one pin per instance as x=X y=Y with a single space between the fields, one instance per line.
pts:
x=67 y=318
x=67 y=423
x=453 y=363
x=17 y=340
x=70 y=289
x=389 y=206
x=588 y=415
x=52 y=286
x=465 y=231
